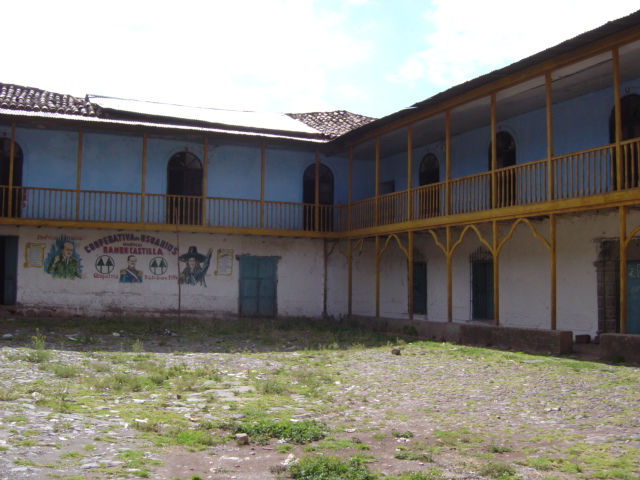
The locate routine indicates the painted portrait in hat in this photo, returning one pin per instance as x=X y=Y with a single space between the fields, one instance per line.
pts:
x=196 y=267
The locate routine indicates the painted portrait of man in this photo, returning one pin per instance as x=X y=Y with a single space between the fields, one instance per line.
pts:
x=66 y=263
x=131 y=274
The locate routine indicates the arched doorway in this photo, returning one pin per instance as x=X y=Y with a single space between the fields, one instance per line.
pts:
x=630 y=123
x=506 y=180
x=325 y=197
x=184 y=188
x=429 y=199
x=13 y=208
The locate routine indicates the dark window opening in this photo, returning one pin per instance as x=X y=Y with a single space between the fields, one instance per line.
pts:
x=630 y=129
x=11 y=208
x=325 y=198
x=184 y=187
x=429 y=199
x=506 y=180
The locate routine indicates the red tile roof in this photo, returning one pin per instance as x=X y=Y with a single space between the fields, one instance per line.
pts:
x=16 y=97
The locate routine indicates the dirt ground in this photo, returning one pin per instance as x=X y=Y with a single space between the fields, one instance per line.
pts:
x=466 y=409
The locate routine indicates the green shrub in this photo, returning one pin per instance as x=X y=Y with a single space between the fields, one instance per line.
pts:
x=329 y=468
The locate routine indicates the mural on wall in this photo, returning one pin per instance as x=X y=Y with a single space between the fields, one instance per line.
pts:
x=129 y=249
x=63 y=260
x=131 y=274
x=196 y=268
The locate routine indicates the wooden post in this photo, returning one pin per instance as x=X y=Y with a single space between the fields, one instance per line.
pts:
x=409 y=172
x=12 y=155
x=447 y=156
x=410 y=272
x=205 y=165
x=496 y=273
x=143 y=183
x=552 y=254
x=350 y=277
x=623 y=268
x=377 y=275
x=376 y=221
x=263 y=162
x=449 y=277
x=350 y=192
x=549 y=113
x=619 y=180
x=79 y=173
x=494 y=154
x=316 y=201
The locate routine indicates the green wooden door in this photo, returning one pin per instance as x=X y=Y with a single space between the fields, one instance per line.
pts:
x=420 y=287
x=633 y=296
x=258 y=281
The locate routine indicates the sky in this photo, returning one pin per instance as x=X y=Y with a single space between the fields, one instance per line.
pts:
x=372 y=57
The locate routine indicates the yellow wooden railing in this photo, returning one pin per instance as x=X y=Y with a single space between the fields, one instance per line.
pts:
x=579 y=174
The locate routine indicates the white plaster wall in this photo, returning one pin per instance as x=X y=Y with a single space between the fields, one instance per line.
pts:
x=337 y=279
x=393 y=280
x=299 y=290
x=525 y=278
x=364 y=279
x=577 y=252
x=426 y=250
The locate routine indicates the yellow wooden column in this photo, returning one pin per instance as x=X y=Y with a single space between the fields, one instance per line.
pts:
x=263 y=162
x=79 y=173
x=410 y=272
x=409 y=171
x=12 y=154
x=618 y=119
x=449 y=277
x=494 y=151
x=377 y=275
x=143 y=182
x=377 y=186
x=350 y=277
x=549 y=114
x=205 y=168
x=447 y=156
x=623 y=268
x=496 y=273
x=553 y=262
x=316 y=200
x=350 y=191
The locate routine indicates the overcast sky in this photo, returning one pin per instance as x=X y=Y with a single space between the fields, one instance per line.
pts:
x=372 y=57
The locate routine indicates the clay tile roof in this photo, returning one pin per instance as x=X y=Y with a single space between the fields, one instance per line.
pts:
x=16 y=97
x=332 y=124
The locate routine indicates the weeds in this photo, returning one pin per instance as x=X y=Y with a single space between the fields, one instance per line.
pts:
x=292 y=432
x=328 y=468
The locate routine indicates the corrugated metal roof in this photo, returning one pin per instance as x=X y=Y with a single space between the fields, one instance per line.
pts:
x=233 y=118
x=185 y=128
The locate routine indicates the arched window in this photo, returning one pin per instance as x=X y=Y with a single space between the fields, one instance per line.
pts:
x=325 y=197
x=184 y=180
x=429 y=199
x=505 y=157
x=630 y=123
x=505 y=150
x=5 y=169
x=429 y=170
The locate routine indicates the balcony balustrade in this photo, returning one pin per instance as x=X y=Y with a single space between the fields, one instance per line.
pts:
x=579 y=174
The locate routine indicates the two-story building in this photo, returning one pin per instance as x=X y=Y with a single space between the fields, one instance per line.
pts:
x=511 y=199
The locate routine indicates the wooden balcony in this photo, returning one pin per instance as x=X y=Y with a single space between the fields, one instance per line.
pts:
x=580 y=180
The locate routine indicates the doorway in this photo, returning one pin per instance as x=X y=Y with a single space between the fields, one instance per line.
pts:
x=11 y=209
x=258 y=282
x=8 y=270
x=184 y=189
x=420 y=288
x=482 y=285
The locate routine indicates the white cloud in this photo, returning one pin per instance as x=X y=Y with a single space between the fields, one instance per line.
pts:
x=253 y=54
x=469 y=38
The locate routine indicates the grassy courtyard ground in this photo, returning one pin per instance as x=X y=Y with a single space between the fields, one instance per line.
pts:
x=259 y=399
